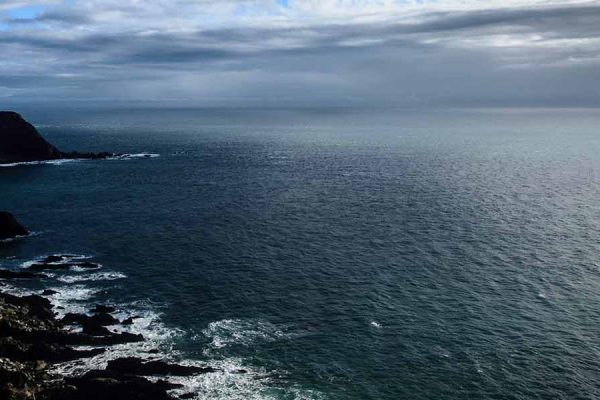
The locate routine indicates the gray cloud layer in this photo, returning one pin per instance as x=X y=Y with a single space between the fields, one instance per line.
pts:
x=533 y=55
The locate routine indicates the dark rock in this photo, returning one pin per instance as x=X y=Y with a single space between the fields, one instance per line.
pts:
x=42 y=265
x=187 y=396
x=101 y=385
x=9 y=227
x=56 y=353
x=84 y=264
x=49 y=292
x=53 y=259
x=21 y=142
x=95 y=330
x=103 y=309
x=101 y=319
x=94 y=325
x=6 y=274
x=136 y=366
x=128 y=321
x=37 y=306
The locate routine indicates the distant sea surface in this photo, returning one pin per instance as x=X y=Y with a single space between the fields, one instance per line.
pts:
x=334 y=254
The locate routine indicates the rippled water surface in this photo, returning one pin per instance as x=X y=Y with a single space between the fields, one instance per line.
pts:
x=335 y=254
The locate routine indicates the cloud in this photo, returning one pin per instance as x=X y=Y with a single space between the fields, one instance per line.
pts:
x=369 y=52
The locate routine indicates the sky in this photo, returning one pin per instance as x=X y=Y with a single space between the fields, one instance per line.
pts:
x=404 y=53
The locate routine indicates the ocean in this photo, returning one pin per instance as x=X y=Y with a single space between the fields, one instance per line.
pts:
x=331 y=253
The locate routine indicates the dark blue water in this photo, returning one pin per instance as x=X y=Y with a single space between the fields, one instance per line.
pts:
x=339 y=254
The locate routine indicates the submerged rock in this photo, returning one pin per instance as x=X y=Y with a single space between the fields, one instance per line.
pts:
x=100 y=308
x=21 y=142
x=43 y=265
x=9 y=227
x=7 y=274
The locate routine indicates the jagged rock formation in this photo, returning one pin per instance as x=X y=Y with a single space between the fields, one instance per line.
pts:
x=32 y=339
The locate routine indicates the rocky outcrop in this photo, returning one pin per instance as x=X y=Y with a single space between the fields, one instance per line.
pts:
x=9 y=227
x=32 y=339
x=21 y=142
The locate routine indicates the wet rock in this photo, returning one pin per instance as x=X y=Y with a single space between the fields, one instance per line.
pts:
x=103 y=309
x=95 y=330
x=101 y=385
x=15 y=373
x=7 y=274
x=18 y=351
x=128 y=321
x=35 y=306
x=28 y=335
x=53 y=259
x=42 y=266
x=99 y=319
x=9 y=227
x=52 y=267
x=136 y=366
x=49 y=292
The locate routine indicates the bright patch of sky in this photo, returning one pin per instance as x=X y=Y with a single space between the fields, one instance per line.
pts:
x=29 y=12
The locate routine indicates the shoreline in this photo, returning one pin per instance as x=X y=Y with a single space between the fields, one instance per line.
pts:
x=35 y=339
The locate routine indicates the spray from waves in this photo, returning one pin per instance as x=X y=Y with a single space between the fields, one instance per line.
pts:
x=46 y=162
x=99 y=276
x=19 y=237
x=70 y=160
x=247 y=332
x=72 y=291
x=134 y=156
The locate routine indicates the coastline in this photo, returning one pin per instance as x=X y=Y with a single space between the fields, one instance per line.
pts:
x=35 y=338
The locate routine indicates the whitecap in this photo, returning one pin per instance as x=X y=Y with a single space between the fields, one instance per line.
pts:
x=46 y=162
x=66 y=259
x=375 y=324
x=99 y=276
x=134 y=156
x=244 y=332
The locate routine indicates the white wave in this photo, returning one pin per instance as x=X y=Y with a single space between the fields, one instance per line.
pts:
x=69 y=160
x=70 y=298
x=234 y=380
x=134 y=156
x=157 y=336
x=245 y=332
x=14 y=239
x=66 y=259
x=376 y=324
x=47 y=162
x=99 y=276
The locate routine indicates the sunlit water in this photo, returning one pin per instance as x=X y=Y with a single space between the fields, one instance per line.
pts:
x=333 y=254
